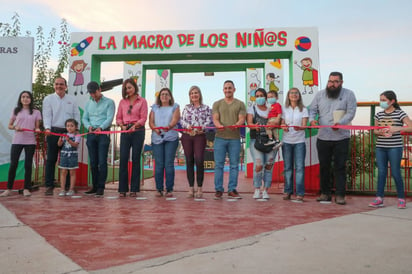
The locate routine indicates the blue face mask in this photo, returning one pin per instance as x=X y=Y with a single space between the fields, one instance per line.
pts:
x=260 y=101
x=384 y=105
x=272 y=100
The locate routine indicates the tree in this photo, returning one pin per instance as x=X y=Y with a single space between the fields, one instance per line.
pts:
x=44 y=76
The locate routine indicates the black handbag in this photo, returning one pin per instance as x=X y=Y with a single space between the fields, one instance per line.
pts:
x=261 y=140
x=261 y=137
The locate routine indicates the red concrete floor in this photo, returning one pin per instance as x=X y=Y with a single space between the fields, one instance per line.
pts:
x=97 y=233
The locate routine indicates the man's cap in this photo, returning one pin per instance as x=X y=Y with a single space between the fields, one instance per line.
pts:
x=92 y=87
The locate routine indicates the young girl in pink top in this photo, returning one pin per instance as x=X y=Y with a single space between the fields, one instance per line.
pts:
x=24 y=116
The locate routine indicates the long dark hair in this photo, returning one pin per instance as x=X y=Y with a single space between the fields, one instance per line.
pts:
x=133 y=83
x=262 y=90
x=20 y=105
x=390 y=95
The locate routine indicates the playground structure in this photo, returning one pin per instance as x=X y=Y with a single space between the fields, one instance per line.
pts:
x=267 y=56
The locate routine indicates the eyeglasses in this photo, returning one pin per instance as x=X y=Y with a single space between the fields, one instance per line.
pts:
x=164 y=94
x=334 y=82
x=130 y=109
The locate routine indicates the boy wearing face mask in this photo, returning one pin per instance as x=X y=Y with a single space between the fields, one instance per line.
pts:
x=274 y=119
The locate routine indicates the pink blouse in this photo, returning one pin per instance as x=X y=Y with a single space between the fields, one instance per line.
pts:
x=130 y=114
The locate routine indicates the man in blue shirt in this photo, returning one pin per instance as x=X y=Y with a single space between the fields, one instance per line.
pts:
x=97 y=117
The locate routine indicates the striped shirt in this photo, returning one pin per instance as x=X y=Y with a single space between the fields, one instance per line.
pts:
x=395 y=118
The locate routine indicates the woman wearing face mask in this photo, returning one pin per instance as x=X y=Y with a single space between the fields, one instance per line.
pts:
x=389 y=145
x=258 y=115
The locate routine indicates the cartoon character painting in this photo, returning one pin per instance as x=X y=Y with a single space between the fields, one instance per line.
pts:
x=252 y=90
x=254 y=83
x=78 y=66
x=309 y=76
x=134 y=75
x=271 y=78
x=163 y=77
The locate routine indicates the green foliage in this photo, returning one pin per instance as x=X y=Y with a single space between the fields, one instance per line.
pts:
x=44 y=75
x=361 y=154
x=64 y=48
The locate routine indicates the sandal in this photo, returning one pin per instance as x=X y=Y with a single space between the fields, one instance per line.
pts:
x=133 y=194
x=286 y=196
x=191 y=193
x=122 y=194
x=159 y=193
x=199 y=193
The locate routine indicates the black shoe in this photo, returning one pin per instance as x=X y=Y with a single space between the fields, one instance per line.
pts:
x=234 y=194
x=340 y=200
x=99 y=192
x=91 y=191
x=324 y=198
x=49 y=191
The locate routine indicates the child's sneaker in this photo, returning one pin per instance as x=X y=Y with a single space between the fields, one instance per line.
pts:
x=62 y=193
x=265 y=195
x=70 y=193
x=256 y=195
x=378 y=202
x=278 y=144
x=270 y=142
x=401 y=203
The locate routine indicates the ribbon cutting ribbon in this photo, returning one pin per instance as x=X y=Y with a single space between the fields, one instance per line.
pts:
x=347 y=127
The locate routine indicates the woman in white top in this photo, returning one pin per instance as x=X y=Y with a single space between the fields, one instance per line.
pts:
x=294 y=116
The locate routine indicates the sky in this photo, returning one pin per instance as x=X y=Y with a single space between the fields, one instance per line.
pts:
x=368 y=41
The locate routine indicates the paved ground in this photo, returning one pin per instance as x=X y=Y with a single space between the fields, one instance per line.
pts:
x=64 y=235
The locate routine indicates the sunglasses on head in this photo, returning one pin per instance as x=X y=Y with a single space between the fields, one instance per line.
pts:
x=130 y=109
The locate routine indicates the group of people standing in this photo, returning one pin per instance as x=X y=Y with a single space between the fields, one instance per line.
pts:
x=331 y=107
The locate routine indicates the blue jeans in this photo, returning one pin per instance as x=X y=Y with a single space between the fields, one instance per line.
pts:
x=263 y=165
x=294 y=162
x=393 y=156
x=98 y=146
x=232 y=147
x=164 y=156
x=135 y=141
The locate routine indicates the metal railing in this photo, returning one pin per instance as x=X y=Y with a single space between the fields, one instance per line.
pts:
x=361 y=166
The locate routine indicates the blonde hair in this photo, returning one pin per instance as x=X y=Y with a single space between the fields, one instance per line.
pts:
x=200 y=94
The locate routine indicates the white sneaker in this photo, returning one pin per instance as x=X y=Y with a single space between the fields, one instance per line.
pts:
x=6 y=193
x=26 y=193
x=62 y=193
x=70 y=193
x=277 y=145
x=265 y=195
x=257 y=194
x=270 y=142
